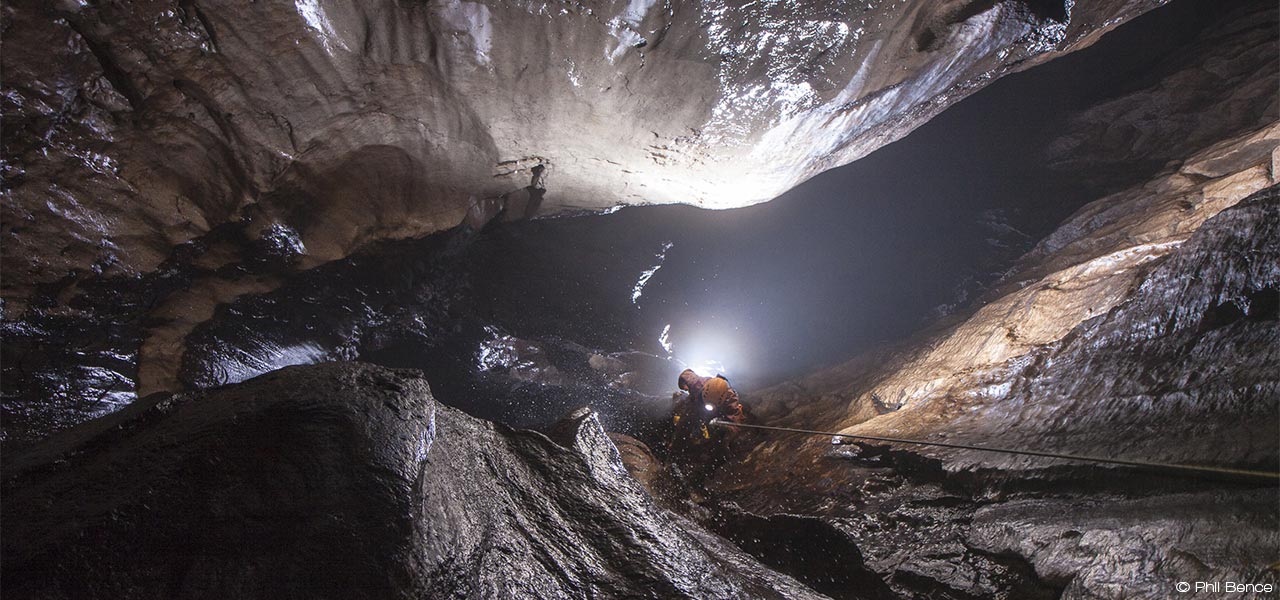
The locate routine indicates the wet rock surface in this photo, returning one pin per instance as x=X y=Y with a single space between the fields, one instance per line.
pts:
x=230 y=303
x=1143 y=328
x=347 y=481
x=1230 y=74
x=1092 y=261
x=1193 y=349
x=808 y=548
x=447 y=304
x=1183 y=370
x=189 y=211
x=133 y=127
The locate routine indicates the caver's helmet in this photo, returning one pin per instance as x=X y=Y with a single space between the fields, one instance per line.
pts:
x=715 y=390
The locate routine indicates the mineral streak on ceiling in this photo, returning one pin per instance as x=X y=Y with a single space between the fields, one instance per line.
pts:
x=135 y=126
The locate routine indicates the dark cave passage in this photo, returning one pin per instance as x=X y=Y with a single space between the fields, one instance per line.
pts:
x=856 y=257
x=402 y=315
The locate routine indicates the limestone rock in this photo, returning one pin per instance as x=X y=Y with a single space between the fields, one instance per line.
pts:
x=1145 y=328
x=1092 y=262
x=1230 y=74
x=346 y=480
x=132 y=127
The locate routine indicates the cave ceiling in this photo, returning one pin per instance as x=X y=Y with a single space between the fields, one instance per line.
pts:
x=132 y=127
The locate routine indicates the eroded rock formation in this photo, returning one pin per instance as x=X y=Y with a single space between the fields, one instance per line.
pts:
x=133 y=127
x=1145 y=327
x=1096 y=259
x=165 y=188
x=347 y=481
x=1183 y=370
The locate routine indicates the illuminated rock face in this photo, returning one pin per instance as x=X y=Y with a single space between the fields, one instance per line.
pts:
x=1094 y=262
x=132 y=127
x=1183 y=370
x=1084 y=270
x=1144 y=328
x=162 y=159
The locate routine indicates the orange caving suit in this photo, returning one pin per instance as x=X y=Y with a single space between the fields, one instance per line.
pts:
x=728 y=408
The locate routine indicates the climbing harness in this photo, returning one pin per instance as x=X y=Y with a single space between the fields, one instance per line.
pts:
x=1114 y=461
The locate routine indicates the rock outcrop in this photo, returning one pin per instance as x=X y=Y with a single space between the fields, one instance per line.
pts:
x=132 y=127
x=347 y=481
x=174 y=166
x=1190 y=354
x=1230 y=73
x=1144 y=328
x=1095 y=260
x=1183 y=370
x=1087 y=268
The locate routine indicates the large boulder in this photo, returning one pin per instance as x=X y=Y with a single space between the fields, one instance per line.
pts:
x=346 y=480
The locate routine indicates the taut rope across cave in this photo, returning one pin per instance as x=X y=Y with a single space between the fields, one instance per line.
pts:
x=1197 y=469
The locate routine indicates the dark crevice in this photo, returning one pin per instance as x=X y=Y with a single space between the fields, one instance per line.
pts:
x=190 y=7
x=1050 y=10
x=1256 y=306
x=1034 y=586
x=115 y=74
x=192 y=90
x=810 y=549
x=1077 y=477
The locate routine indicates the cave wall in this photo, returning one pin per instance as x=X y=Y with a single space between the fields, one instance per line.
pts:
x=162 y=159
x=346 y=480
x=1095 y=260
x=132 y=127
x=1145 y=328
x=1182 y=370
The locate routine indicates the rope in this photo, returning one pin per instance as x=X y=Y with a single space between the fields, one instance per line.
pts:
x=1094 y=459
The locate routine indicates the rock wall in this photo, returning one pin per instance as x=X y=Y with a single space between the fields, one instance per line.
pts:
x=133 y=127
x=1089 y=267
x=347 y=481
x=208 y=150
x=1189 y=355
x=1144 y=328
x=1183 y=370
x=1095 y=260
